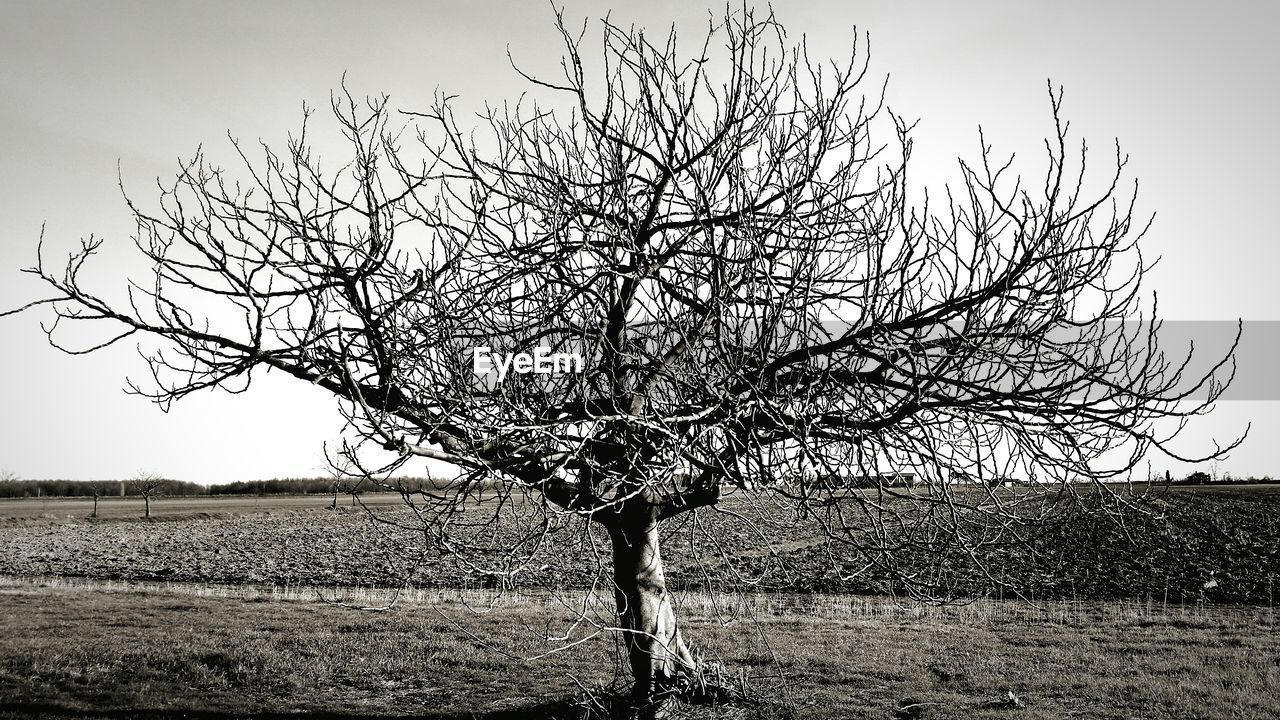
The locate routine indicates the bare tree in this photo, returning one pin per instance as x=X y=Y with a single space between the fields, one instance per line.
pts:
x=336 y=486
x=342 y=482
x=96 y=489
x=748 y=293
x=145 y=484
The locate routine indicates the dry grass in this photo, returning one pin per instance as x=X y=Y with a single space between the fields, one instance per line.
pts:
x=76 y=647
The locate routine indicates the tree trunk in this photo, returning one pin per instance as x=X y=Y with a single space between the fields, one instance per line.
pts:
x=656 y=650
x=147 y=499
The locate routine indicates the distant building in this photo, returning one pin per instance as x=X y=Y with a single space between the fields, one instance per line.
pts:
x=890 y=479
x=959 y=477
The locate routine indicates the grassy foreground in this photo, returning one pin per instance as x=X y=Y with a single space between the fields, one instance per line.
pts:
x=115 y=650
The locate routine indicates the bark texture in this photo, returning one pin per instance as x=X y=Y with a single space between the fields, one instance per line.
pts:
x=655 y=647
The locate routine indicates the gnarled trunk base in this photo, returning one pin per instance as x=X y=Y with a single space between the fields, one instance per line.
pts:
x=656 y=650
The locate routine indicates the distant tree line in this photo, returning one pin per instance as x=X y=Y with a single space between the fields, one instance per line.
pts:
x=13 y=488
x=309 y=486
x=1200 y=477
x=90 y=488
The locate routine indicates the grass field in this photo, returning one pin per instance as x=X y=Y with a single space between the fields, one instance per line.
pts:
x=1209 y=546
x=210 y=609
x=93 y=650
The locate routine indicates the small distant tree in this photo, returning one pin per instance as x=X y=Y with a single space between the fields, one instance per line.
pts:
x=341 y=484
x=342 y=480
x=148 y=485
x=96 y=489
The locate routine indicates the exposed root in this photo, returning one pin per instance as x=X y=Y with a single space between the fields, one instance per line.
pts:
x=707 y=692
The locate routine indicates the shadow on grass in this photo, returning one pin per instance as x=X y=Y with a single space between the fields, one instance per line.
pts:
x=554 y=710
x=557 y=710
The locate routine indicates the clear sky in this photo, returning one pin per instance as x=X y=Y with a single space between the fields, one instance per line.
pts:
x=92 y=87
